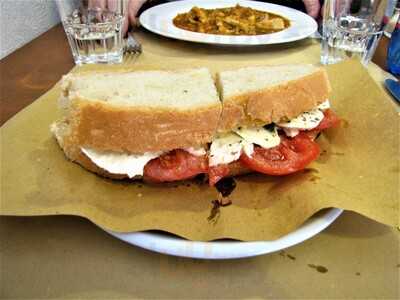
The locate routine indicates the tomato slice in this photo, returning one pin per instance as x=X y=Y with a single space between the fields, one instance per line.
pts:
x=291 y=155
x=216 y=173
x=175 y=165
x=330 y=120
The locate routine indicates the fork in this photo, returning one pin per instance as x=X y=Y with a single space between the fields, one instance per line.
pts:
x=132 y=49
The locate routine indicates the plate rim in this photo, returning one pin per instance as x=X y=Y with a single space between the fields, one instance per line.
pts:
x=221 y=39
x=230 y=249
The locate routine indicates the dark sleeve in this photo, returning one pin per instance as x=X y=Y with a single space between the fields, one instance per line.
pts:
x=296 y=4
x=150 y=3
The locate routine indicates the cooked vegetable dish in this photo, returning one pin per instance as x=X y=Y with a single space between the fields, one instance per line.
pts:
x=236 y=20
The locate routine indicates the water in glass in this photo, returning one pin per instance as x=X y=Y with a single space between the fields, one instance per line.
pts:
x=348 y=37
x=95 y=36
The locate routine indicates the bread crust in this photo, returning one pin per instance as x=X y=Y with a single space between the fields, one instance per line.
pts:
x=138 y=130
x=277 y=103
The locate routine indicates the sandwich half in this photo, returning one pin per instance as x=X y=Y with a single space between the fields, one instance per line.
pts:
x=270 y=118
x=163 y=126
x=121 y=124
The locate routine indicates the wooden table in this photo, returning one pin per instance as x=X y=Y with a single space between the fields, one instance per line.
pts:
x=69 y=257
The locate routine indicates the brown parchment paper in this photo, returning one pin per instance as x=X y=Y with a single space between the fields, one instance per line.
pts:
x=358 y=170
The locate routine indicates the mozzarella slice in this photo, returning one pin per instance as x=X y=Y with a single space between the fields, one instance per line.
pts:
x=305 y=121
x=324 y=105
x=291 y=132
x=260 y=136
x=225 y=149
x=248 y=148
x=196 y=151
x=120 y=163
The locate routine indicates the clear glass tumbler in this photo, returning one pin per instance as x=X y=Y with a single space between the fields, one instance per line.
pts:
x=351 y=28
x=94 y=29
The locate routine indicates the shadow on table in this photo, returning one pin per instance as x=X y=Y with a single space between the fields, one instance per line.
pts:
x=351 y=224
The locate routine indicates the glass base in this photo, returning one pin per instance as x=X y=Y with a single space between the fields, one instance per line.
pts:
x=334 y=54
x=109 y=58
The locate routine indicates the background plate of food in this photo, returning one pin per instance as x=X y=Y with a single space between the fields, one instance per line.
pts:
x=228 y=22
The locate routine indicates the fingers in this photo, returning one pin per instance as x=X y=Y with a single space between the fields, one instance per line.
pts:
x=312 y=7
x=125 y=26
x=112 y=5
x=115 y=6
x=133 y=8
x=130 y=15
x=97 y=3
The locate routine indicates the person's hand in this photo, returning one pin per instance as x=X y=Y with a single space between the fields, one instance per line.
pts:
x=312 y=7
x=132 y=9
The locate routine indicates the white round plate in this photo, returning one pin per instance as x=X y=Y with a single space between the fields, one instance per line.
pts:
x=159 y=19
x=172 y=245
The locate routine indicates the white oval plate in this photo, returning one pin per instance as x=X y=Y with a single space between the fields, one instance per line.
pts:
x=172 y=245
x=159 y=19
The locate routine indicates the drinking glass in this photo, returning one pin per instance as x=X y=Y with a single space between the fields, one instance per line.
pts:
x=94 y=29
x=351 y=28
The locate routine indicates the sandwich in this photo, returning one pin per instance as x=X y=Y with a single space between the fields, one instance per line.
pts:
x=164 y=126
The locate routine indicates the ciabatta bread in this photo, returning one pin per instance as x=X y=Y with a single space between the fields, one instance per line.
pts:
x=142 y=111
x=265 y=94
x=152 y=111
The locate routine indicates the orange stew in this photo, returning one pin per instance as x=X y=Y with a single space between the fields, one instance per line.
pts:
x=236 y=20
